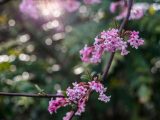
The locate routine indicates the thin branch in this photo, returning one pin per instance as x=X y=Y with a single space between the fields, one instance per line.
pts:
x=130 y=3
x=106 y=71
x=30 y=95
x=105 y=74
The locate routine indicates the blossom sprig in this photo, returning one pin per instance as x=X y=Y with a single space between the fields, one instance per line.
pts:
x=78 y=95
x=110 y=41
x=137 y=12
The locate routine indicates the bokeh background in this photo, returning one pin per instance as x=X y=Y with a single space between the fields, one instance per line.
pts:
x=45 y=52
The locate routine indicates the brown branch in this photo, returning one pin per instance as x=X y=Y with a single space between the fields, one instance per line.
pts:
x=105 y=74
x=30 y=95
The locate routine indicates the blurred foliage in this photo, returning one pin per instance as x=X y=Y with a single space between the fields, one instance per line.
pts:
x=30 y=55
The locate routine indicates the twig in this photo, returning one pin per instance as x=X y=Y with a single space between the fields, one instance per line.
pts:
x=105 y=73
x=30 y=95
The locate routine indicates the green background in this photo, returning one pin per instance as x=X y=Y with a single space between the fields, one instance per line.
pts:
x=133 y=81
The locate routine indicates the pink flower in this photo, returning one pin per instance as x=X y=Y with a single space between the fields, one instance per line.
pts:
x=99 y=88
x=76 y=93
x=107 y=41
x=29 y=7
x=96 y=86
x=81 y=106
x=71 y=5
x=86 y=53
x=104 y=98
x=112 y=41
x=91 y=54
x=92 y=1
x=136 y=13
x=137 y=10
x=57 y=103
x=123 y=48
x=124 y=51
x=68 y=115
x=134 y=40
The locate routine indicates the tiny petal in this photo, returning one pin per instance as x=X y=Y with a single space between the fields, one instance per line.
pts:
x=104 y=98
x=81 y=107
x=56 y=104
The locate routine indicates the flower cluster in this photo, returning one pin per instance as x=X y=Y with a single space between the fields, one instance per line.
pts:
x=56 y=104
x=78 y=95
x=137 y=11
x=109 y=41
x=99 y=88
x=134 y=40
x=75 y=93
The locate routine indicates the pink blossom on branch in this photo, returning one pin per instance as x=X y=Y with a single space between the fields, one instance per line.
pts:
x=56 y=104
x=99 y=88
x=137 y=11
x=78 y=95
x=91 y=54
x=109 y=41
x=81 y=106
x=134 y=40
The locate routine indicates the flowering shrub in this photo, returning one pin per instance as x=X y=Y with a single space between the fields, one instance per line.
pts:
x=45 y=57
x=78 y=95
x=110 y=41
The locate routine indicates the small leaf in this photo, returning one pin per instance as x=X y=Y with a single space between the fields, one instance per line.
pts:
x=41 y=91
x=85 y=77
